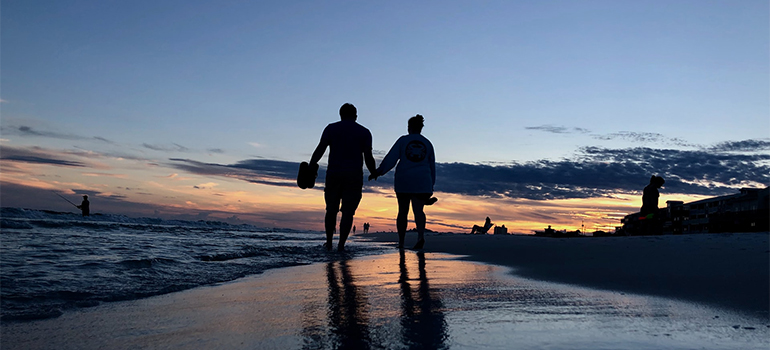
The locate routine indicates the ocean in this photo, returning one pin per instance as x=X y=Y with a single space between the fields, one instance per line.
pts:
x=51 y=262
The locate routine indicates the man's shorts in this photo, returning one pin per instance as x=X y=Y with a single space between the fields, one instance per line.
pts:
x=345 y=188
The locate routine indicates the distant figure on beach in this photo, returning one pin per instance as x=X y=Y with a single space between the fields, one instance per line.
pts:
x=650 y=197
x=354 y=229
x=350 y=145
x=85 y=206
x=366 y=227
x=482 y=229
x=415 y=177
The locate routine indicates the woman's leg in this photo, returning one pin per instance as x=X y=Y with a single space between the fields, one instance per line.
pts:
x=401 y=219
x=419 y=221
x=418 y=206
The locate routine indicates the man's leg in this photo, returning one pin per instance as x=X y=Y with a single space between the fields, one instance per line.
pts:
x=330 y=222
x=351 y=197
x=332 y=196
x=346 y=222
x=402 y=218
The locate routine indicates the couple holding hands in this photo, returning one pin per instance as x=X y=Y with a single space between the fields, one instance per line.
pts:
x=350 y=147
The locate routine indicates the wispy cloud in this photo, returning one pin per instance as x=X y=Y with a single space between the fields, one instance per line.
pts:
x=254 y=144
x=26 y=131
x=36 y=155
x=559 y=129
x=166 y=148
x=643 y=137
x=119 y=176
x=742 y=146
x=208 y=185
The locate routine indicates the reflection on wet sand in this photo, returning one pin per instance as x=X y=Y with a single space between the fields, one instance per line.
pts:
x=422 y=320
x=413 y=300
x=348 y=320
x=347 y=310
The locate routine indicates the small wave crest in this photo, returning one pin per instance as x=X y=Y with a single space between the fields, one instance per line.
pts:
x=145 y=263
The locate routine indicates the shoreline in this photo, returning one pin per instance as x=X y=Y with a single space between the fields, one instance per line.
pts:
x=403 y=299
x=728 y=270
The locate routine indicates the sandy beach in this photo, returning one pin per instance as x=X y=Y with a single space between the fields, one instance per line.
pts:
x=555 y=294
x=729 y=270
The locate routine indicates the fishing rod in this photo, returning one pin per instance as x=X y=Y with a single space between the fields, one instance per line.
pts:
x=68 y=201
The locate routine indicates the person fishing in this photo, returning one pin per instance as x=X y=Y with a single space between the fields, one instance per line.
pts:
x=85 y=206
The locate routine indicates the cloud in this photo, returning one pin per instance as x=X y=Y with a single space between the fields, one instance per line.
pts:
x=742 y=146
x=643 y=137
x=215 y=150
x=599 y=172
x=36 y=155
x=558 y=129
x=592 y=172
x=257 y=145
x=119 y=176
x=102 y=139
x=166 y=148
x=208 y=185
x=261 y=171
x=29 y=131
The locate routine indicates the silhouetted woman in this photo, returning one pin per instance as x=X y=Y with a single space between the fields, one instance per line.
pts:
x=651 y=195
x=482 y=229
x=415 y=177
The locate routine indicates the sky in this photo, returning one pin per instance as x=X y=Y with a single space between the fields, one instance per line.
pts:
x=540 y=112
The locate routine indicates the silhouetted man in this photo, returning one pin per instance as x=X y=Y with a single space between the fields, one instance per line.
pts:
x=85 y=206
x=350 y=145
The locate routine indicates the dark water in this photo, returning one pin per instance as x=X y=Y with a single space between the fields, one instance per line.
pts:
x=50 y=262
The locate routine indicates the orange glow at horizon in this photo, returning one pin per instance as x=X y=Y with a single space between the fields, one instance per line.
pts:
x=290 y=207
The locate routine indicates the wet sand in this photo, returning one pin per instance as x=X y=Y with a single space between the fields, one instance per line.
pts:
x=396 y=301
x=730 y=270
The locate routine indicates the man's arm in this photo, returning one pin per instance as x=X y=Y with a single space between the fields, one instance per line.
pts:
x=319 y=152
x=371 y=164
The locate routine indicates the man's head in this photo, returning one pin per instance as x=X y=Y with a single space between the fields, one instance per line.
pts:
x=657 y=181
x=415 y=124
x=348 y=112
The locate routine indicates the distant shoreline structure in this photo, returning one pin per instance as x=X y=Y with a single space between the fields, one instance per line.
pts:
x=746 y=211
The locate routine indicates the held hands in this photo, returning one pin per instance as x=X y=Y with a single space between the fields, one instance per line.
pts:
x=373 y=176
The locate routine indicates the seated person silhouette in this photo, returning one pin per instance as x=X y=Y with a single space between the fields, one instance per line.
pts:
x=481 y=230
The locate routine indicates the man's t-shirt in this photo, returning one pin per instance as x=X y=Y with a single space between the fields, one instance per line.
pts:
x=347 y=142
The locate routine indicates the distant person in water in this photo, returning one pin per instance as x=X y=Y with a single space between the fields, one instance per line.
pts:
x=482 y=229
x=354 y=229
x=85 y=206
x=350 y=145
x=650 y=197
x=415 y=177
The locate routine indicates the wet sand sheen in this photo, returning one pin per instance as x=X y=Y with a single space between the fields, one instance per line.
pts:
x=399 y=300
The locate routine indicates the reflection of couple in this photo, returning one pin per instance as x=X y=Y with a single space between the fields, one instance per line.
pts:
x=350 y=145
x=422 y=321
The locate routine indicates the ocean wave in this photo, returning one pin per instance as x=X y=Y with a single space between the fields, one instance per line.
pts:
x=21 y=218
x=145 y=263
